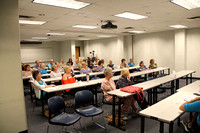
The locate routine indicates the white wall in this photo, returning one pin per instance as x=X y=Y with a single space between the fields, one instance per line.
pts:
x=158 y=46
x=193 y=50
x=65 y=50
x=55 y=46
x=108 y=48
x=12 y=104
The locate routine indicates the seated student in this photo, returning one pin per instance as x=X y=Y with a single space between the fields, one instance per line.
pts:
x=102 y=60
x=81 y=61
x=42 y=69
x=62 y=63
x=85 y=69
x=23 y=67
x=90 y=65
x=108 y=85
x=37 y=64
x=60 y=69
x=90 y=59
x=39 y=83
x=77 y=64
x=27 y=71
x=40 y=62
x=153 y=65
x=70 y=62
x=192 y=126
x=125 y=80
x=55 y=73
x=123 y=64
x=51 y=64
x=131 y=63
x=96 y=61
x=100 y=67
x=111 y=65
x=142 y=66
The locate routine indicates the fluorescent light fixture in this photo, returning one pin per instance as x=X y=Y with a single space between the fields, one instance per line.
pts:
x=136 y=31
x=104 y=36
x=85 y=26
x=30 y=40
x=73 y=4
x=40 y=38
x=188 y=4
x=178 y=26
x=31 y=22
x=129 y=15
x=55 y=34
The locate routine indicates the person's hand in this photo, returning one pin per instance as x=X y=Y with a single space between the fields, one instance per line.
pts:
x=52 y=85
x=129 y=77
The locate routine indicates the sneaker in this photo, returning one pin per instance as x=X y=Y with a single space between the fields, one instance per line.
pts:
x=187 y=127
x=124 y=118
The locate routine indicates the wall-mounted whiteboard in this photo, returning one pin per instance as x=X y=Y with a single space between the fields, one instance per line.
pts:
x=33 y=54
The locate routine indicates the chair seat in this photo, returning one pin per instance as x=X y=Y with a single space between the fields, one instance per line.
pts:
x=89 y=111
x=65 y=119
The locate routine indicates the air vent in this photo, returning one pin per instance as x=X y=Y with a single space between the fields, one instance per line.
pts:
x=129 y=28
x=25 y=17
x=197 y=17
x=30 y=42
x=81 y=36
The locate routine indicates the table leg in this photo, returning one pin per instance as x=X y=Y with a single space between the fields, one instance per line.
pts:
x=113 y=111
x=161 y=127
x=42 y=98
x=171 y=127
x=191 y=116
x=31 y=91
x=142 y=124
x=96 y=96
x=187 y=80
x=154 y=95
x=179 y=121
x=145 y=77
x=191 y=78
x=169 y=71
x=119 y=113
x=172 y=89
x=150 y=96
x=177 y=84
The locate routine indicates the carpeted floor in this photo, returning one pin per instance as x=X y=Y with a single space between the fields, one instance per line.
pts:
x=38 y=124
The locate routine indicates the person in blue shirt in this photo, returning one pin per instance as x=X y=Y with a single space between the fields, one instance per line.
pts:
x=192 y=106
x=42 y=69
x=51 y=64
x=37 y=64
x=131 y=63
x=142 y=66
x=100 y=67
x=111 y=65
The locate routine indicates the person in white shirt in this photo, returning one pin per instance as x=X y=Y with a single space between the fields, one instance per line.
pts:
x=38 y=84
x=60 y=68
x=55 y=74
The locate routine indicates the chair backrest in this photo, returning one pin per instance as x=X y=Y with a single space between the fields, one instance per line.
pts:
x=84 y=97
x=55 y=104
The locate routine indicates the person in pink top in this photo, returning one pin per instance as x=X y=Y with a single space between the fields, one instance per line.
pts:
x=108 y=85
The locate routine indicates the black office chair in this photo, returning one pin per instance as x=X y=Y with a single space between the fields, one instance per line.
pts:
x=86 y=98
x=56 y=107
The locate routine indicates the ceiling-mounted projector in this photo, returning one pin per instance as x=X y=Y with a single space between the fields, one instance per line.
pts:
x=109 y=25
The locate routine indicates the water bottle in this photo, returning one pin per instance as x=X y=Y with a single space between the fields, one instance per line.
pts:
x=88 y=77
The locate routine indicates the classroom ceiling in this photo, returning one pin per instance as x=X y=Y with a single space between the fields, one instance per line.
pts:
x=161 y=14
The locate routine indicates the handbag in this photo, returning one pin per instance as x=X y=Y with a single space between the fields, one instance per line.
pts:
x=135 y=89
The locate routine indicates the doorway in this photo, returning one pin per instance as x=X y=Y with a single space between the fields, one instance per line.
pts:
x=77 y=50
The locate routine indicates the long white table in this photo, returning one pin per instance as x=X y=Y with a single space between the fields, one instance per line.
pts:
x=166 y=111
x=85 y=84
x=152 y=84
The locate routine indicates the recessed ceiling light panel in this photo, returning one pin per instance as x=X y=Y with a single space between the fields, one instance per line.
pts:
x=188 y=4
x=129 y=15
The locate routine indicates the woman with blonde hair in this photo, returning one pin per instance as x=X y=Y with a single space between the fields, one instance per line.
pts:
x=108 y=85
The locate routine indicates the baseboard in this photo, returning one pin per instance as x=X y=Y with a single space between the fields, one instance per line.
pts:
x=25 y=131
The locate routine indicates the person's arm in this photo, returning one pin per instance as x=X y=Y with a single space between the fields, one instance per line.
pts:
x=182 y=107
x=106 y=87
x=156 y=66
x=127 y=65
x=122 y=83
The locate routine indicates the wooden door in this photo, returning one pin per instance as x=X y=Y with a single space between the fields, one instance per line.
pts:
x=77 y=52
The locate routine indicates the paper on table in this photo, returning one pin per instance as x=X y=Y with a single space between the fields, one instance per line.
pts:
x=52 y=88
